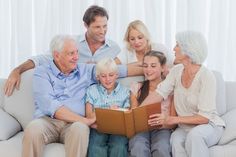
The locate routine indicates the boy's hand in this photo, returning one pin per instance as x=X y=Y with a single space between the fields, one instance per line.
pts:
x=94 y=125
x=114 y=107
x=90 y=121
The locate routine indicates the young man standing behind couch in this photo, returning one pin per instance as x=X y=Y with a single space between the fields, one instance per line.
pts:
x=59 y=88
x=93 y=46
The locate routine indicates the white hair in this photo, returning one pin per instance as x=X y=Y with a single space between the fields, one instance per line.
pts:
x=57 y=42
x=193 y=44
x=106 y=64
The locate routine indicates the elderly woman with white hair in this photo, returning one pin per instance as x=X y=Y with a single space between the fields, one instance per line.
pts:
x=194 y=88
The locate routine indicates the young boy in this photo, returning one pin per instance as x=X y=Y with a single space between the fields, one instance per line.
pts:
x=108 y=93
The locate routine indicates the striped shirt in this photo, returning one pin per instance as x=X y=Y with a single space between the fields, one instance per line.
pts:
x=98 y=97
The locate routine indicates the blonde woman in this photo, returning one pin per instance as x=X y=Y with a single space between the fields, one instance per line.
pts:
x=138 y=42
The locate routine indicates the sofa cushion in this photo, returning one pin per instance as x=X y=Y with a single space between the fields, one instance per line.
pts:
x=230 y=130
x=220 y=93
x=13 y=148
x=20 y=105
x=8 y=125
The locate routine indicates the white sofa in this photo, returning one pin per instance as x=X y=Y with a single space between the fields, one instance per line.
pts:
x=16 y=112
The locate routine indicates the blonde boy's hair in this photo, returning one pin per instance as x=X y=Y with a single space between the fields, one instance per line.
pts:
x=106 y=64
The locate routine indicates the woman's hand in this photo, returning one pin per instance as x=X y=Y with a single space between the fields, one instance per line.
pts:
x=161 y=119
x=156 y=119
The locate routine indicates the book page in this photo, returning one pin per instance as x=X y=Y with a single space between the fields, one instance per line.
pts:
x=121 y=109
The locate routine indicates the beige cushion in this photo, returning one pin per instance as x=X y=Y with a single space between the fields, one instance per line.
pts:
x=20 y=105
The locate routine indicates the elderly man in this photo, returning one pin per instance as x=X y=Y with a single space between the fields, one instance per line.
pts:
x=92 y=46
x=59 y=92
x=59 y=88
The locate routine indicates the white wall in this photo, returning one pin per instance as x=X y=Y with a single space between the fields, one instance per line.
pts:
x=27 y=26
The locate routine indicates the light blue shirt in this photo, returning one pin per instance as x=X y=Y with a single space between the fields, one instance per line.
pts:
x=97 y=96
x=52 y=89
x=109 y=49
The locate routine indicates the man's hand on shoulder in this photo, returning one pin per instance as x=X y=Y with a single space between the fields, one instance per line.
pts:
x=13 y=81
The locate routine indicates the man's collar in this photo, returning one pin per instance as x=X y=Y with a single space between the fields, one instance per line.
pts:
x=58 y=73
x=82 y=38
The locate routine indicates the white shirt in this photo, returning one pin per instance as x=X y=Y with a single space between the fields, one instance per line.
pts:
x=199 y=98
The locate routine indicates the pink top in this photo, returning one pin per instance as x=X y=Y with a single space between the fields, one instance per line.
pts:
x=165 y=104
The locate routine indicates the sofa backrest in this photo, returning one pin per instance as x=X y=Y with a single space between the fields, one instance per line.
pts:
x=20 y=105
x=230 y=95
x=2 y=82
x=220 y=93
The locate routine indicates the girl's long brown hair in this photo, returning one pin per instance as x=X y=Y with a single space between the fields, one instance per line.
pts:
x=144 y=90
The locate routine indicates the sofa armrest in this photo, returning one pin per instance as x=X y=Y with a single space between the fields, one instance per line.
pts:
x=229 y=133
x=8 y=125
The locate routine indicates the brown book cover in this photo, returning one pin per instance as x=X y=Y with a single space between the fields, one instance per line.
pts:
x=125 y=122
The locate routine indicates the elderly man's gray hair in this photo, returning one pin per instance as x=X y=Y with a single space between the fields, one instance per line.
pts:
x=193 y=44
x=57 y=43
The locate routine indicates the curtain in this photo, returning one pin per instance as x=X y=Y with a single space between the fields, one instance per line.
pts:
x=27 y=26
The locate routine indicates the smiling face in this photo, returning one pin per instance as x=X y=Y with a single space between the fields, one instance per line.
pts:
x=97 y=29
x=152 y=68
x=67 y=59
x=108 y=79
x=137 y=41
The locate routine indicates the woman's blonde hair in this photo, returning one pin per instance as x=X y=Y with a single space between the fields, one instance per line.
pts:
x=140 y=27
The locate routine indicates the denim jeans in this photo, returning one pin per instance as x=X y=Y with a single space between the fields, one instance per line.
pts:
x=107 y=145
x=154 y=143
